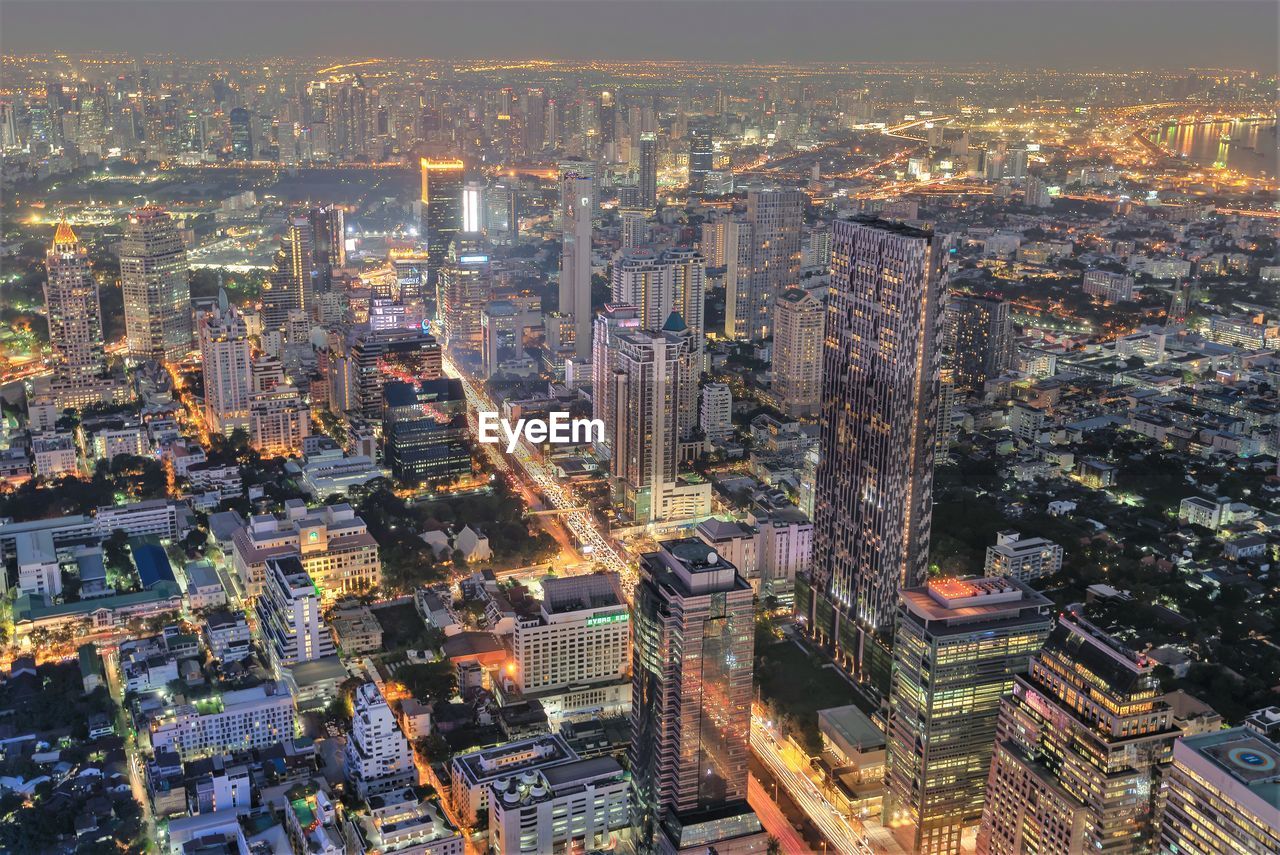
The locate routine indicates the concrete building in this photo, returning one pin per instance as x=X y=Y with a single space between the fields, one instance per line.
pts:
x=233 y=721
x=577 y=208
x=715 y=415
x=579 y=636
x=378 y=756
x=797 y=352
x=74 y=313
x=293 y=630
x=576 y=806
x=1022 y=559
x=1221 y=795
x=225 y=359
x=661 y=282
x=1081 y=743
x=978 y=339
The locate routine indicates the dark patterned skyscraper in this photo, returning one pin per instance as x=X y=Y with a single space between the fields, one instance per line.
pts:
x=874 y=490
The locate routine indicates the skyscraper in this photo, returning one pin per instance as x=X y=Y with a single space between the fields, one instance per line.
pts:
x=609 y=323
x=464 y=290
x=797 y=352
x=225 y=360
x=1220 y=795
x=701 y=160
x=575 y=259
x=776 y=218
x=288 y=610
x=290 y=284
x=157 y=295
x=692 y=647
x=241 y=134
x=957 y=646
x=978 y=335
x=874 y=490
x=652 y=407
x=659 y=283
x=607 y=117
x=648 y=170
x=1080 y=745
x=442 y=182
x=329 y=247
x=75 y=322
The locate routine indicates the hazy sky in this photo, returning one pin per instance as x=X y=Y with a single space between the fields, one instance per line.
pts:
x=1051 y=33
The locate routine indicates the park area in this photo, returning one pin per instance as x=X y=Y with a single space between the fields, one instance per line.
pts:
x=795 y=683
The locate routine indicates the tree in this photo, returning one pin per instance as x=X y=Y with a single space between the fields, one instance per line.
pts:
x=431 y=682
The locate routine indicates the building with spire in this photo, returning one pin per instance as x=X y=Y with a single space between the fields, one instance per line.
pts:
x=74 y=313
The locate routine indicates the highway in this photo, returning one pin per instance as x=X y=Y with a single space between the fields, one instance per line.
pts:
x=772 y=819
x=845 y=835
x=593 y=542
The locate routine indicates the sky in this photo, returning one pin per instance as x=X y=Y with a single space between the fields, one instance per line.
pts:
x=1114 y=34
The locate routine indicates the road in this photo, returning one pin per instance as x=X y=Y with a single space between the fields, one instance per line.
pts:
x=593 y=542
x=845 y=835
x=772 y=819
x=133 y=756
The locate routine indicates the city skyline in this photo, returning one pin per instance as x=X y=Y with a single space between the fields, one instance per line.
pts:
x=845 y=435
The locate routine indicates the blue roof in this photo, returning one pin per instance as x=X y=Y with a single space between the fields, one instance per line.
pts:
x=152 y=563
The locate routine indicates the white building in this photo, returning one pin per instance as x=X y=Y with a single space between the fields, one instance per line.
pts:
x=158 y=517
x=574 y=806
x=1022 y=559
x=716 y=413
x=38 y=570
x=333 y=544
x=785 y=548
x=225 y=360
x=580 y=636
x=234 y=721
x=378 y=756
x=736 y=542
x=292 y=628
x=398 y=823
x=53 y=455
x=1111 y=287
x=472 y=773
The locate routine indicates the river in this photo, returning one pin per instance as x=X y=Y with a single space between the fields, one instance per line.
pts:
x=1248 y=146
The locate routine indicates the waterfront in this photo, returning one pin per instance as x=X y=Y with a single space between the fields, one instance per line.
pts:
x=1247 y=146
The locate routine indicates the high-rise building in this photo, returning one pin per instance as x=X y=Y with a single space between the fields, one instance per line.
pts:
x=701 y=160
x=225 y=359
x=279 y=420
x=635 y=227
x=157 y=296
x=293 y=630
x=464 y=289
x=692 y=647
x=1220 y=795
x=978 y=337
x=715 y=415
x=874 y=490
x=575 y=259
x=378 y=756
x=648 y=171
x=798 y=317
x=241 y=134
x=290 y=284
x=611 y=321
x=442 y=182
x=957 y=646
x=329 y=247
x=407 y=354
x=424 y=430
x=776 y=220
x=74 y=313
x=607 y=118
x=736 y=254
x=652 y=407
x=1080 y=746
x=659 y=283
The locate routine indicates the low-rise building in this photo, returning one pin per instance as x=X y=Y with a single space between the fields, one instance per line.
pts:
x=571 y=806
x=234 y=721
x=1022 y=558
